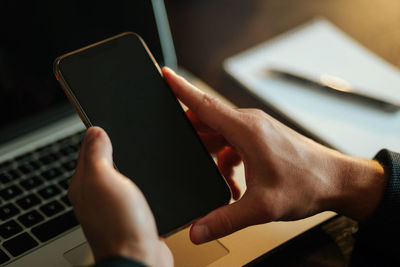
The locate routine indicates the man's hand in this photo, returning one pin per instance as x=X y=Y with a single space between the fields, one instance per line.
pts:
x=288 y=176
x=113 y=212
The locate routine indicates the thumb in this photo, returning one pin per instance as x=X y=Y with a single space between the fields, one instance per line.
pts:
x=96 y=147
x=223 y=221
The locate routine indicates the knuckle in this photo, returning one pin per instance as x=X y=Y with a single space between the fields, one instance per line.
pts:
x=227 y=225
x=256 y=112
x=94 y=166
x=268 y=206
x=253 y=111
x=207 y=101
x=255 y=122
x=90 y=150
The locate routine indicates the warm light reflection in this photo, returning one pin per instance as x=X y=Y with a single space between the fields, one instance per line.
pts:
x=335 y=83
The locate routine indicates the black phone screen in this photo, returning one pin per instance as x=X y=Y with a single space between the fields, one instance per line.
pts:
x=121 y=90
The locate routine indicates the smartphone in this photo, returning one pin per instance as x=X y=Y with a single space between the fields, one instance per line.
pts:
x=116 y=84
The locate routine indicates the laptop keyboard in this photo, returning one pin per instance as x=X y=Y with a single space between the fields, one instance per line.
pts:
x=34 y=207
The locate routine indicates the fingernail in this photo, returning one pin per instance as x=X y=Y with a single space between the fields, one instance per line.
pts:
x=201 y=233
x=170 y=70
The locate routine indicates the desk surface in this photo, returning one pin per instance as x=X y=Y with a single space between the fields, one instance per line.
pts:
x=207 y=32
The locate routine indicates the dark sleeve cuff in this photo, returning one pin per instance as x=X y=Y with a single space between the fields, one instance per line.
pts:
x=379 y=237
x=388 y=211
x=118 y=261
x=390 y=204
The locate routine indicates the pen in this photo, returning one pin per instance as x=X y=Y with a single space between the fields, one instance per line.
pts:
x=335 y=85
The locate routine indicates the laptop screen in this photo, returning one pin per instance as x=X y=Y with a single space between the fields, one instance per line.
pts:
x=34 y=33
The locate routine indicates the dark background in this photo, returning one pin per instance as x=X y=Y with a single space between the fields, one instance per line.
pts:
x=207 y=32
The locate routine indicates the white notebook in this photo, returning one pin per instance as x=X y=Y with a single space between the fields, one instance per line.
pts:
x=317 y=48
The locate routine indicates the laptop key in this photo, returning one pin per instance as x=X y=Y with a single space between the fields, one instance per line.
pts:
x=24 y=157
x=5 y=178
x=28 y=201
x=3 y=257
x=10 y=192
x=29 y=167
x=14 y=174
x=6 y=164
x=8 y=176
x=50 y=158
x=49 y=191
x=7 y=211
x=52 y=208
x=31 y=182
x=66 y=201
x=51 y=174
x=55 y=227
x=68 y=150
x=65 y=141
x=69 y=165
x=65 y=183
x=20 y=244
x=9 y=229
x=24 y=169
x=31 y=218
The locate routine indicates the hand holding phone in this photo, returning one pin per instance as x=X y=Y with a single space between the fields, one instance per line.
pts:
x=117 y=85
x=113 y=212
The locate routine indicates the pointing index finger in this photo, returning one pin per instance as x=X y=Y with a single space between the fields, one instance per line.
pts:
x=208 y=109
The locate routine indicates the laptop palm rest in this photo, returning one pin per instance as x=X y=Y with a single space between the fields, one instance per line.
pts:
x=185 y=252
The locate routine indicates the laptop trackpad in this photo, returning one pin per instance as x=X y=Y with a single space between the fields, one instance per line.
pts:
x=80 y=255
x=184 y=251
x=187 y=254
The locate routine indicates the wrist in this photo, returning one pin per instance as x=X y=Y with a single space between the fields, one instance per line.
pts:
x=148 y=252
x=126 y=250
x=137 y=253
x=357 y=186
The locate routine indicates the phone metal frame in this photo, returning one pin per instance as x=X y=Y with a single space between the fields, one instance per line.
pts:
x=67 y=90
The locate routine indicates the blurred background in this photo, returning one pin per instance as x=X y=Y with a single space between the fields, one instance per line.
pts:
x=207 y=32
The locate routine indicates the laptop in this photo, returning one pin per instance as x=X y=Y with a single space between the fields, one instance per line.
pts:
x=40 y=135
